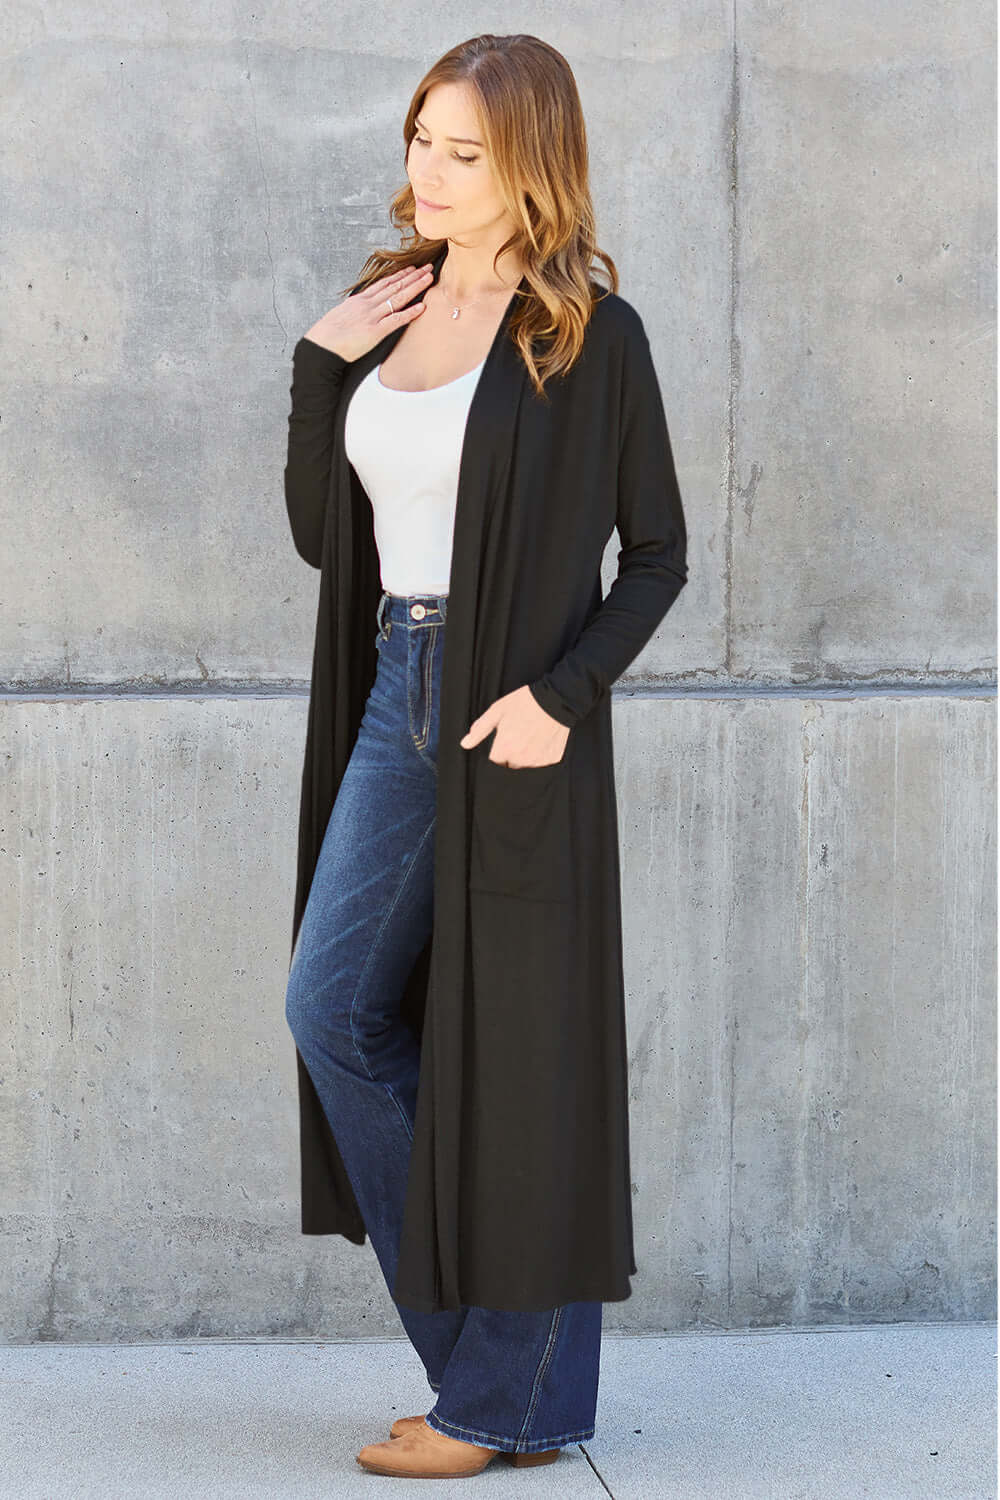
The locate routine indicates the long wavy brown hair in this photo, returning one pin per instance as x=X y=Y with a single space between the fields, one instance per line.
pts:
x=535 y=138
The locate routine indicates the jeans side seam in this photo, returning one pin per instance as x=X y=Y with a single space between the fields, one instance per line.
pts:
x=543 y=1365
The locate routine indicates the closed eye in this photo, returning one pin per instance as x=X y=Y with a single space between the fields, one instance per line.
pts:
x=467 y=159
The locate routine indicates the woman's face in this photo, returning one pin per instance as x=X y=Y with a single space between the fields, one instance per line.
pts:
x=448 y=168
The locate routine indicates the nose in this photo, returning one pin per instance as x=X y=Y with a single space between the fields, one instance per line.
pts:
x=427 y=158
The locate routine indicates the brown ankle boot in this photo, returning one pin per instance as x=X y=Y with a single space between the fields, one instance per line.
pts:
x=519 y=1460
x=421 y=1452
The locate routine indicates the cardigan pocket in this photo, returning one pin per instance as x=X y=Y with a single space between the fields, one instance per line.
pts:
x=521 y=830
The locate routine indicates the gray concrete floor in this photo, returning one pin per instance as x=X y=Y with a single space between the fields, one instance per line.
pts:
x=896 y=1412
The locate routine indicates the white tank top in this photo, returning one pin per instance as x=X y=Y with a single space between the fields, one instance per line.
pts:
x=405 y=447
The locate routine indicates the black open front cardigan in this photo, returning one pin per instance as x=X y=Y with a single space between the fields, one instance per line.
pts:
x=519 y=1191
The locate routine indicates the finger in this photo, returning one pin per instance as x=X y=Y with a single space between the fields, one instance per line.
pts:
x=411 y=274
x=479 y=729
x=399 y=315
x=404 y=294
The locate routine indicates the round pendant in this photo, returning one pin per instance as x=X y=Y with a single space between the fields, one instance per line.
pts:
x=456 y=312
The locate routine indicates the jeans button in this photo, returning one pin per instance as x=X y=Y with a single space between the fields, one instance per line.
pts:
x=418 y=611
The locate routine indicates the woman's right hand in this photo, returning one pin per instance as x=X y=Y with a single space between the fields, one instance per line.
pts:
x=361 y=321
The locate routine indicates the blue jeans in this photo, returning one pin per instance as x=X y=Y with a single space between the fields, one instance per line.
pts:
x=517 y=1381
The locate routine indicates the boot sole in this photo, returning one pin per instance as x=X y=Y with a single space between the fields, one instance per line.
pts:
x=518 y=1460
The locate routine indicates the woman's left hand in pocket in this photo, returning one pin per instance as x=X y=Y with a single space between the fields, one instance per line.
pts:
x=525 y=734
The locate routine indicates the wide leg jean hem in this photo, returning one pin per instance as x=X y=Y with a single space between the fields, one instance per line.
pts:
x=505 y=1444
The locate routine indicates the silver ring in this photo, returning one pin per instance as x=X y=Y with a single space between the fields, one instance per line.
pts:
x=389 y=301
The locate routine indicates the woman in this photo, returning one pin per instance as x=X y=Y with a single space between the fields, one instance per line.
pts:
x=467 y=428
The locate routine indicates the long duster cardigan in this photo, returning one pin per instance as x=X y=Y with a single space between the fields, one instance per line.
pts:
x=519 y=1192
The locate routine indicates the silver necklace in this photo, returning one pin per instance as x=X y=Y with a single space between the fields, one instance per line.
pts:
x=456 y=310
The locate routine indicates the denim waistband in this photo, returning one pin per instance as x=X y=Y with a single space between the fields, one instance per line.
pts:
x=414 y=610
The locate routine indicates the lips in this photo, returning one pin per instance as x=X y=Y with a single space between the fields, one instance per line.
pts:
x=424 y=204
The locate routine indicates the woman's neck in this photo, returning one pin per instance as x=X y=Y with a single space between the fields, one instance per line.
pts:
x=462 y=279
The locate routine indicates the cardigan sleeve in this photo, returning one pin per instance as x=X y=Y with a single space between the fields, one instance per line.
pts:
x=317 y=377
x=652 y=560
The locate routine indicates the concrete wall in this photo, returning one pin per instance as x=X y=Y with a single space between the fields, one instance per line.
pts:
x=800 y=205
